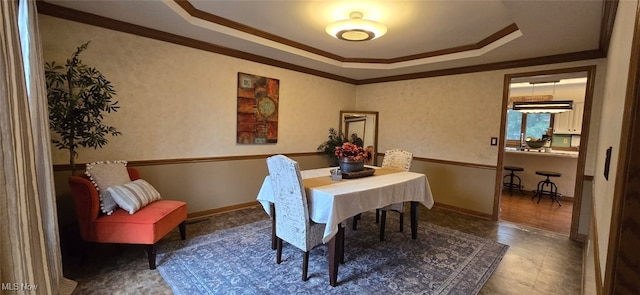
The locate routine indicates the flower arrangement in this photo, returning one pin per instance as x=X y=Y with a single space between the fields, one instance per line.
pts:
x=337 y=140
x=352 y=152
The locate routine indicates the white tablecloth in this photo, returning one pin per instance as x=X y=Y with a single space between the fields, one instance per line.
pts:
x=340 y=200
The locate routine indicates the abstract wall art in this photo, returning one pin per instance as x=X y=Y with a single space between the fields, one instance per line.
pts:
x=258 y=100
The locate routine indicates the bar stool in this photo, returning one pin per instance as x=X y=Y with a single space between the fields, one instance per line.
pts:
x=511 y=176
x=553 y=189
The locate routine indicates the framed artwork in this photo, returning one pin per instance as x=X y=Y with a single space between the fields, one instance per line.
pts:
x=258 y=99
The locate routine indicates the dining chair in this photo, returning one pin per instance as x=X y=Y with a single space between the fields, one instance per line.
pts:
x=398 y=159
x=291 y=210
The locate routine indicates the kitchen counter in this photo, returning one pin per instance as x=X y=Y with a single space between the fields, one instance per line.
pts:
x=564 y=162
x=542 y=153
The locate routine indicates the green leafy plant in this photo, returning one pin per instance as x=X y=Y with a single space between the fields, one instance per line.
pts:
x=78 y=97
x=329 y=147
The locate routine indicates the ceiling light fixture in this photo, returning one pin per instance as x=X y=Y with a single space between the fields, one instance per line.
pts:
x=356 y=28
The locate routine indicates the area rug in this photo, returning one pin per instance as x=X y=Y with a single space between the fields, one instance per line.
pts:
x=240 y=261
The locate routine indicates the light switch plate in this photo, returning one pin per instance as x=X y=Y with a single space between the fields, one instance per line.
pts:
x=494 y=141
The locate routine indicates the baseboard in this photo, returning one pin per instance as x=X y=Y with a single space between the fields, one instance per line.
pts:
x=202 y=214
x=563 y=198
x=463 y=211
x=197 y=215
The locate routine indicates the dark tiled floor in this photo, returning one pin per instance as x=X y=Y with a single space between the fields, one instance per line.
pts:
x=538 y=262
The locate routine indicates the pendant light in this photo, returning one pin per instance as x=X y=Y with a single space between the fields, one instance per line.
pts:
x=549 y=106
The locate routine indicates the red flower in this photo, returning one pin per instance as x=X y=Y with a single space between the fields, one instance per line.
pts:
x=352 y=152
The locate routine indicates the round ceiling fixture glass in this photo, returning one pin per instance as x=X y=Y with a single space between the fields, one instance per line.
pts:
x=356 y=28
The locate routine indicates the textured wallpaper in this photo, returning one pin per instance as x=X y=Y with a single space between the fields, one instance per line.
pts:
x=179 y=102
x=611 y=125
x=449 y=118
x=453 y=117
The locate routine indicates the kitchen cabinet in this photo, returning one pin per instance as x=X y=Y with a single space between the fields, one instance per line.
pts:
x=569 y=122
x=562 y=122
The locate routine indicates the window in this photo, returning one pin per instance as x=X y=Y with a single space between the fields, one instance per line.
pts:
x=25 y=35
x=531 y=124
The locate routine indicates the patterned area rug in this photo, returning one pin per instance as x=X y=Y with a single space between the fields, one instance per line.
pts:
x=240 y=261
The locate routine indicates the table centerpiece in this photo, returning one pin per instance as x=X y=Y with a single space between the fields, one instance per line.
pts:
x=351 y=157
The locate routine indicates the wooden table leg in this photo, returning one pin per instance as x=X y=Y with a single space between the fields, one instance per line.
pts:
x=414 y=220
x=272 y=213
x=334 y=256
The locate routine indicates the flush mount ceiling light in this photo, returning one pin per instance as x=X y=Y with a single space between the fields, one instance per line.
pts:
x=554 y=106
x=356 y=28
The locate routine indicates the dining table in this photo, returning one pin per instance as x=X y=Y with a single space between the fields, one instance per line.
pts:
x=331 y=202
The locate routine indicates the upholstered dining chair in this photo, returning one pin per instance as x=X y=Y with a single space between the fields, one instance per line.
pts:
x=398 y=159
x=292 y=213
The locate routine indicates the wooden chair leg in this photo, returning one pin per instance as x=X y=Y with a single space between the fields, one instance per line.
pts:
x=377 y=215
x=383 y=221
x=341 y=245
x=355 y=220
x=305 y=265
x=278 y=250
x=401 y=221
x=272 y=213
x=183 y=230
x=151 y=254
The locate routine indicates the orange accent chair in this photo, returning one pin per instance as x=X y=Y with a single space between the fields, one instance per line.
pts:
x=146 y=226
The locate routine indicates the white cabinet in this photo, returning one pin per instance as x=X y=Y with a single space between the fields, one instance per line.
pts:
x=576 y=123
x=569 y=122
x=562 y=122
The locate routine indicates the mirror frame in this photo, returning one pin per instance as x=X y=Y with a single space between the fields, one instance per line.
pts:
x=374 y=115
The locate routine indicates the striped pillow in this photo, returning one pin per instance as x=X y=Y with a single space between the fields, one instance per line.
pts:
x=133 y=195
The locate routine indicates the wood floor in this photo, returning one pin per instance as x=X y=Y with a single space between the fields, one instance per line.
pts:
x=545 y=215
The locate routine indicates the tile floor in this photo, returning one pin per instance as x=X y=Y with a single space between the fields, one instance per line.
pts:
x=538 y=261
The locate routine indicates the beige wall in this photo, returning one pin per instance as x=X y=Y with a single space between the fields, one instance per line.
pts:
x=449 y=118
x=610 y=129
x=461 y=187
x=446 y=118
x=453 y=118
x=179 y=102
x=203 y=185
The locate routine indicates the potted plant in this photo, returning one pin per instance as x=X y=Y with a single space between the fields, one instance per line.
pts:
x=329 y=147
x=78 y=96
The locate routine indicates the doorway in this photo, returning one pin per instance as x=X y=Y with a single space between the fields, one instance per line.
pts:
x=565 y=137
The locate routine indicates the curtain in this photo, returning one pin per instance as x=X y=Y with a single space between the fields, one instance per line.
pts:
x=30 y=260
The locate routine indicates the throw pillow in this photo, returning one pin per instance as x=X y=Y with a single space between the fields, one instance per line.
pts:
x=133 y=195
x=105 y=174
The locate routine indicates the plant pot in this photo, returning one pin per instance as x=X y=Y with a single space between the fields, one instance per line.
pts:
x=347 y=165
